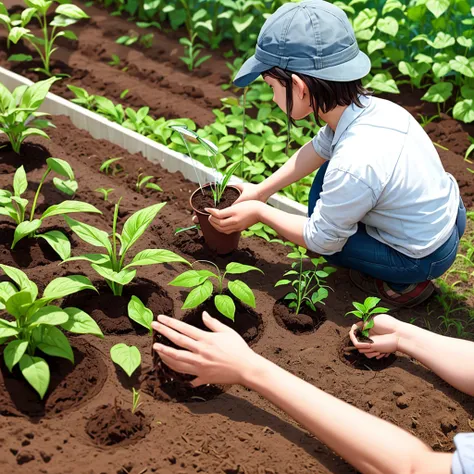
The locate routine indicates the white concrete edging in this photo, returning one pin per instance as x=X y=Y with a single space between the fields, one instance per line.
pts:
x=99 y=127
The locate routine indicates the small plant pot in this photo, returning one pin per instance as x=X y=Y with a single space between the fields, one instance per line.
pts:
x=202 y=198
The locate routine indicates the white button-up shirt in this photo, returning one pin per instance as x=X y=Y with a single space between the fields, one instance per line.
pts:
x=385 y=172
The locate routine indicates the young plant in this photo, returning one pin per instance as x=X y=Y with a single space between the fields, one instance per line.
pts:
x=143 y=181
x=114 y=60
x=107 y=168
x=34 y=324
x=105 y=192
x=66 y=15
x=136 y=404
x=192 y=51
x=19 y=116
x=147 y=40
x=111 y=266
x=203 y=288
x=14 y=206
x=128 y=40
x=83 y=98
x=307 y=286
x=366 y=311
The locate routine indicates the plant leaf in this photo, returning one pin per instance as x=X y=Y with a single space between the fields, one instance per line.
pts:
x=89 y=234
x=198 y=295
x=80 y=322
x=53 y=342
x=61 y=167
x=189 y=279
x=439 y=92
x=371 y=302
x=139 y=313
x=155 y=256
x=36 y=372
x=20 y=278
x=34 y=95
x=18 y=304
x=225 y=305
x=64 y=286
x=7 y=289
x=242 y=291
x=67 y=207
x=58 y=242
x=127 y=357
x=238 y=268
x=24 y=229
x=68 y=187
x=71 y=11
x=14 y=352
x=20 y=183
x=49 y=315
x=123 y=277
x=8 y=328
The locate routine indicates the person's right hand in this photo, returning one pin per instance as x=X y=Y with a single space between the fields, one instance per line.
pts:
x=384 y=334
x=249 y=192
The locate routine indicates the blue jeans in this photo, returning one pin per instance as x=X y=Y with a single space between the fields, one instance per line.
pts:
x=367 y=255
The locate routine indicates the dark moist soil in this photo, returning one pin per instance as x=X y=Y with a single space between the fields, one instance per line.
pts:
x=111 y=312
x=113 y=426
x=71 y=386
x=32 y=156
x=306 y=321
x=205 y=199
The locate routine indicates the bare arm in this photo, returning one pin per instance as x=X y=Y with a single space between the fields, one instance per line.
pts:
x=370 y=444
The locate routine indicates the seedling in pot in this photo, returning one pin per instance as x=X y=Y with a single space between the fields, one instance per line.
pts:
x=66 y=15
x=112 y=265
x=144 y=181
x=107 y=168
x=35 y=322
x=14 y=206
x=307 y=286
x=366 y=311
x=19 y=116
x=203 y=288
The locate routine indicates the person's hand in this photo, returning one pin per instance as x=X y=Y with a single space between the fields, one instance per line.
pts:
x=249 y=192
x=384 y=334
x=237 y=217
x=219 y=357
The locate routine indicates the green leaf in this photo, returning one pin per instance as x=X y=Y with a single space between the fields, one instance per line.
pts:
x=14 y=352
x=58 y=242
x=155 y=256
x=319 y=295
x=371 y=302
x=375 y=45
x=291 y=296
x=62 y=21
x=61 y=167
x=89 y=234
x=80 y=322
x=64 y=286
x=439 y=92
x=388 y=25
x=24 y=229
x=8 y=329
x=20 y=183
x=241 y=24
x=69 y=35
x=36 y=372
x=53 y=342
x=225 y=305
x=106 y=164
x=441 y=69
x=136 y=225
x=139 y=313
x=20 y=278
x=18 y=304
x=461 y=64
x=20 y=58
x=283 y=282
x=127 y=357
x=464 y=110
x=198 y=295
x=437 y=7
x=7 y=289
x=35 y=94
x=68 y=187
x=6 y=98
x=238 y=268
x=365 y=19
x=384 y=83
x=123 y=277
x=379 y=311
x=50 y=315
x=98 y=258
x=16 y=33
x=467 y=92
x=357 y=314
x=189 y=279
x=67 y=207
x=242 y=291
x=71 y=11
x=443 y=40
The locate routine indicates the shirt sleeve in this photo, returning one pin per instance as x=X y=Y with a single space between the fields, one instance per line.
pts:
x=343 y=202
x=322 y=142
x=463 y=458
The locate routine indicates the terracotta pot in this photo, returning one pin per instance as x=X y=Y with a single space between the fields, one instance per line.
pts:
x=218 y=242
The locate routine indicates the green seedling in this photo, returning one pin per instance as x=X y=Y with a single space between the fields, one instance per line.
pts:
x=128 y=358
x=107 y=168
x=14 y=206
x=139 y=313
x=136 y=404
x=128 y=40
x=144 y=181
x=366 y=311
x=67 y=14
x=137 y=121
x=114 y=60
x=112 y=265
x=147 y=40
x=108 y=109
x=82 y=97
x=105 y=192
x=307 y=286
x=192 y=51
x=186 y=229
x=35 y=322
x=263 y=231
x=124 y=93
x=203 y=288
x=19 y=116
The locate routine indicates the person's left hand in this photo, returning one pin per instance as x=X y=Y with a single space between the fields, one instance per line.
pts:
x=237 y=217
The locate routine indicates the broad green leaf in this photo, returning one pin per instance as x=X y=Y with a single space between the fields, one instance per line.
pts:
x=59 y=243
x=69 y=35
x=24 y=229
x=465 y=42
x=242 y=23
x=61 y=167
x=62 y=21
x=371 y=302
x=136 y=225
x=123 y=277
x=6 y=98
x=154 y=256
x=441 y=69
x=361 y=307
x=225 y=305
x=461 y=64
x=18 y=304
x=34 y=95
x=67 y=207
x=36 y=372
x=365 y=19
x=89 y=234
x=384 y=83
x=20 y=58
x=16 y=33
x=189 y=279
x=443 y=40
x=467 y=92
x=14 y=352
x=53 y=342
x=283 y=282
x=242 y=291
x=27 y=15
x=80 y=322
x=7 y=289
x=71 y=11
x=379 y=311
x=139 y=313
x=375 y=45
x=198 y=295
x=388 y=25
x=319 y=295
x=291 y=296
x=464 y=110
x=437 y=7
x=64 y=286
x=20 y=183
x=439 y=92
x=97 y=258
x=105 y=165
x=237 y=268
x=50 y=315
x=8 y=329
x=20 y=278
x=127 y=357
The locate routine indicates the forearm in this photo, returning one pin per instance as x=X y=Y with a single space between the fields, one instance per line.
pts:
x=369 y=444
x=445 y=356
x=301 y=164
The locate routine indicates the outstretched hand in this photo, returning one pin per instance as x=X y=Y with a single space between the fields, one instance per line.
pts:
x=218 y=357
x=237 y=217
x=384 y=334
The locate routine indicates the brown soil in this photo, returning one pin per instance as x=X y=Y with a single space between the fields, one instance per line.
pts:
x=112 y=426
x=218 y=435
x=205 y=199
x=32 y=156
x=306 y=321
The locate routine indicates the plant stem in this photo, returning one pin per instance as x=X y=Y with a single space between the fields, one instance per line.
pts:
x=33 y=207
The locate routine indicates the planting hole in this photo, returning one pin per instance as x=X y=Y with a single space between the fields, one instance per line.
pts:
x=353 y=358
x=306 y=321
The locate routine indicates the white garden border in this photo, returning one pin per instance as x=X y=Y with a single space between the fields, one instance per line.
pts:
x=100 y=127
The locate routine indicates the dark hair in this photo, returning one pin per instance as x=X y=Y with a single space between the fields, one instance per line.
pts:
x=324 y=95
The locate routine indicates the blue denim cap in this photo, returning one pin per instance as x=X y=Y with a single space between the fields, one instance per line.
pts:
x=312 y=37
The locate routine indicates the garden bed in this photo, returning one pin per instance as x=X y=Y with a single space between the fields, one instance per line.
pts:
x=235 y=431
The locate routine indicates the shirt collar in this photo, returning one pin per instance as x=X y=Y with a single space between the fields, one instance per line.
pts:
x=348 y=116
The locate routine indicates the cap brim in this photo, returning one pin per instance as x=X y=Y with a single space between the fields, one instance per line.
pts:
x=250 y=70
x=356 y=68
